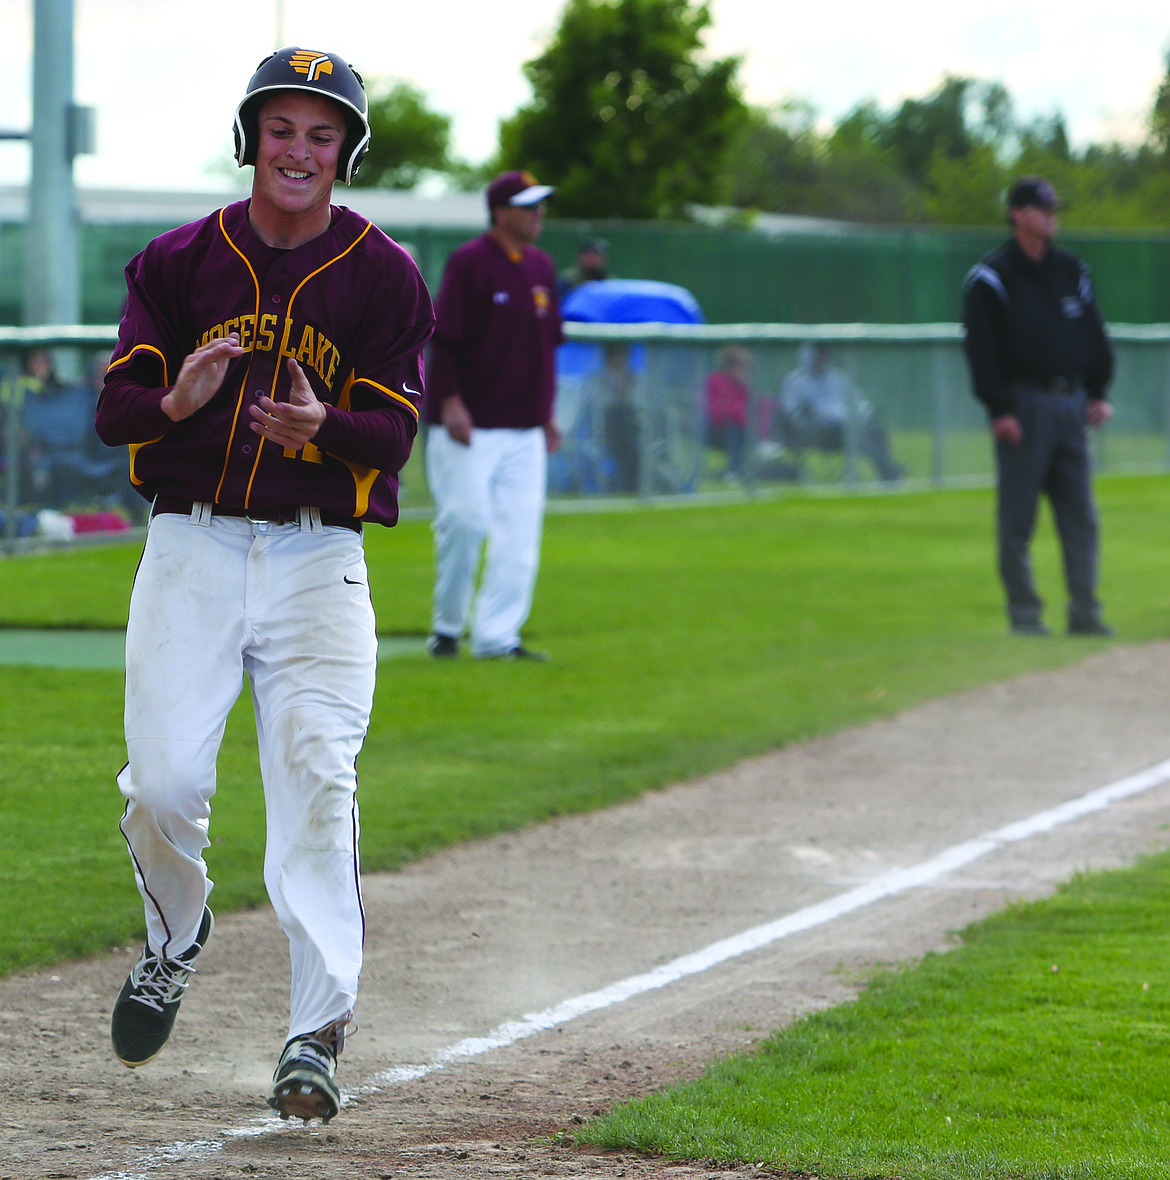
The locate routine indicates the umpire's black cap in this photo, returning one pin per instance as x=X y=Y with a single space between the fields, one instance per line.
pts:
x=1031 y=191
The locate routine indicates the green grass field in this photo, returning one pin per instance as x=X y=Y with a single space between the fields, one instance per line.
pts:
x=1035 y=1051
x=684 y=639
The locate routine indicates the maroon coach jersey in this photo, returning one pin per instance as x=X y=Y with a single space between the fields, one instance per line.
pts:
x=497 y=328
x=350 y=306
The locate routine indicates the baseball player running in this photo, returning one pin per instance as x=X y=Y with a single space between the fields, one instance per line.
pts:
x=267 y=379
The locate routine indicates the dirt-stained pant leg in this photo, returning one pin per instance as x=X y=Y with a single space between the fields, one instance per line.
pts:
x=184 y=671
x=312 y=659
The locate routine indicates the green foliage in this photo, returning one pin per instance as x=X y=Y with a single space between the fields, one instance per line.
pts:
x=626 y=119
x=779 y=162
x=407 y=140
x=961 y=188
x=924 y=128
x=1160 y=114
x=1034 y=1051
x=947 y=158
x=682 y=640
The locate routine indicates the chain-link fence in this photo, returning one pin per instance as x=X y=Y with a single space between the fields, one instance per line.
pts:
x=646 y=411
x=667 y=410
x=59 y=482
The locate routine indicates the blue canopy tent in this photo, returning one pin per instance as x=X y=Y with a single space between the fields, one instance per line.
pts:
x=631 y=301
x=594 y=382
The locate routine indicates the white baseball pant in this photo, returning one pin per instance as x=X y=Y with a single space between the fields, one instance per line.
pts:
x=291 y=609
x=493 y=490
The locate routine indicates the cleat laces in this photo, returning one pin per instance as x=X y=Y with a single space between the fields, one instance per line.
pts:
x=158 y=981
x=334 y=1034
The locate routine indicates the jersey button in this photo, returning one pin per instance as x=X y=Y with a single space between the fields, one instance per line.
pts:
x=276 y=299
x=246 y=450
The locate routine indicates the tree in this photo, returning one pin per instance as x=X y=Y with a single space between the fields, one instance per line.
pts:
x=1160 y=114
x=773 y=162
x=959 y=116
x=966 y=190
x=626 y=120
x=780 y=164
x=407 y=139
x=947 y=158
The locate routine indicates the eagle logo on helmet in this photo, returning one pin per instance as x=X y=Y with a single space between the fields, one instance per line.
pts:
x=311 y=64
x=316 y=72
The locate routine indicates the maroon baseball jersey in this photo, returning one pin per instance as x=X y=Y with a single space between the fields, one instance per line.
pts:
x=350 y=306
x=497 y=328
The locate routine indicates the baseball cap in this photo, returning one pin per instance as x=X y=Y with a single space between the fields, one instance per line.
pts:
x=593 y=246
x=516 y=188
x=1032 y=190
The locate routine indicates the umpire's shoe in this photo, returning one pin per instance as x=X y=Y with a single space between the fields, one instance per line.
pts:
x=303 y=1085
x=149 y=1000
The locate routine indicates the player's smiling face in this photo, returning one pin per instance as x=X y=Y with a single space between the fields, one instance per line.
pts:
x=296 y=161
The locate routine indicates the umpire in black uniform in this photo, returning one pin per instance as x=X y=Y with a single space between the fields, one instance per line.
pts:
x=1040 y=363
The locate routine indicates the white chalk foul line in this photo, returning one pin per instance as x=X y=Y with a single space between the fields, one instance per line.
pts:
x=884 y=885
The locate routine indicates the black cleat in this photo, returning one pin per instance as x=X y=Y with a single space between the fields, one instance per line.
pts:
x=148 y=1003
x=303 y=1085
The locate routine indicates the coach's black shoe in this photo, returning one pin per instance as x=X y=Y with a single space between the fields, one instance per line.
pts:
x=149 y=1000
x=303 y=1085
x=443 y=647
x=520 y=652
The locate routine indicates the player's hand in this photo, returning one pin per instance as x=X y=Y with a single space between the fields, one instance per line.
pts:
x=1098 y=412
x=456 y=417
x=200 y=377
x=293 y=423
x=1007 y=429
x=552 y=436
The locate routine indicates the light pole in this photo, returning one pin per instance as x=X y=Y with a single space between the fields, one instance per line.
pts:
x=60 y=131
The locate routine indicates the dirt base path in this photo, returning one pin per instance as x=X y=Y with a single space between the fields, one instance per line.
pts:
x=490 y=932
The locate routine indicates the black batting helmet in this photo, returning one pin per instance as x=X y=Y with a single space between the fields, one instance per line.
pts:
x=326 y=74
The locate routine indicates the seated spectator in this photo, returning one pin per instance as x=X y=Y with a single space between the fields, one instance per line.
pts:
x=67 y=466
x=37 y=376
x=728 y=400
x=621 y=430
x=819 y=405
x=37 y=379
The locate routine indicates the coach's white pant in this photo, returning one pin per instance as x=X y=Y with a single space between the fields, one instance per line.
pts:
x=492 y=490
x=292 y=610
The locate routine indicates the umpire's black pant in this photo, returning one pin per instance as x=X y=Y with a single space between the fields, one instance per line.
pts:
x=1053 y=458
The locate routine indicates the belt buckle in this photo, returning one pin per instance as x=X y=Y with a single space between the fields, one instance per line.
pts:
x=277 y=516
